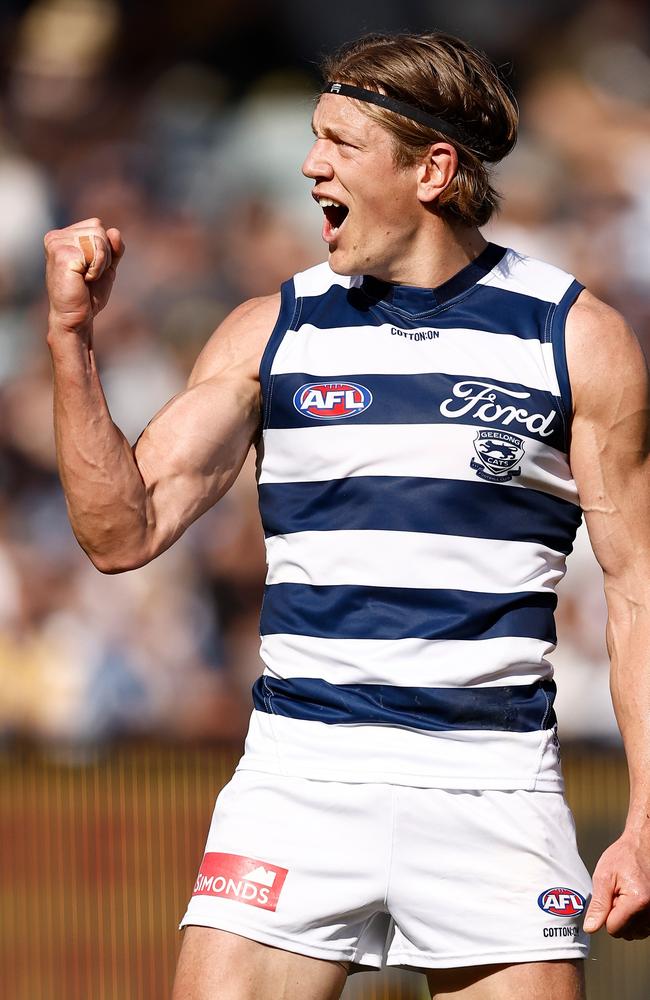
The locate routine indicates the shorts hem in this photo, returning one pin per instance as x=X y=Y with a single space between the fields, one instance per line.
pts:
x=423 y=961
x=296 y=945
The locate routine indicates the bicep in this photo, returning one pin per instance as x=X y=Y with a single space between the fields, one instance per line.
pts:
x=192 y=451
x=609 y=444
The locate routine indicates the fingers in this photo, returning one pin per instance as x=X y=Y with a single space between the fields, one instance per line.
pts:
x=97 y=249
x=116 y=244
x=601 y=902
x=96 y=252
x=630 y=927
x=630 y=917
x=619 y=903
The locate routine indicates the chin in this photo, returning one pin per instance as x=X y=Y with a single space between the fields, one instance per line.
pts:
x=345 y=265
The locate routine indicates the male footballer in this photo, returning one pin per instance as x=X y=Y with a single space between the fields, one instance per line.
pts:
x=431 y=414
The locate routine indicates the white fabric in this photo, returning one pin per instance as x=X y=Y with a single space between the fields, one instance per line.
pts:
x=375 y=350
x=470 y=758
x=382 y=874
x=412 y=559
x=528 y=276
x=316 y=280
x=458 y=662
x=436 y=451
x=478 y=361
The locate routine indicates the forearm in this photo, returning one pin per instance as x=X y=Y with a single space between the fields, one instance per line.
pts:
x=628 y=640
x=104 y=491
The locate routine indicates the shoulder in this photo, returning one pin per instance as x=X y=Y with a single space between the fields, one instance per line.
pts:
x=517 y=272
x=238 y=343
x=604 y=357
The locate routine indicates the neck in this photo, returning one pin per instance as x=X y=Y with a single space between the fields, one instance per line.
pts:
x=436 y=258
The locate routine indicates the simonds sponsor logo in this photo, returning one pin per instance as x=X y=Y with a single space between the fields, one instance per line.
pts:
x=561 y=902
x=331 y=400
x=246 y=880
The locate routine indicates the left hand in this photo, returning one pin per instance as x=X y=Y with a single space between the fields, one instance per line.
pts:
x=621 y=895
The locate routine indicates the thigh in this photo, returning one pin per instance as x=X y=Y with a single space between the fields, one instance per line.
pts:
x=532 y=980
x=217 y=965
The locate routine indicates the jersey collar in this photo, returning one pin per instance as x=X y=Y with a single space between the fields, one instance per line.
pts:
x=412 y=299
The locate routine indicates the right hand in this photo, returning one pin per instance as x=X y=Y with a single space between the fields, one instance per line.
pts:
x=81 y=261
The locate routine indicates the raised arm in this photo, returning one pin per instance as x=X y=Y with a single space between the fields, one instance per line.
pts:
x=610 y=462
x=127 y=505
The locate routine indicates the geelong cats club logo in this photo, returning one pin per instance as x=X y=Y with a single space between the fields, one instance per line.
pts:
x=329 y=400
x=498 y=453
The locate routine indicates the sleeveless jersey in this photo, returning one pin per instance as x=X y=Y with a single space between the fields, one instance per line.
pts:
x=418 y=507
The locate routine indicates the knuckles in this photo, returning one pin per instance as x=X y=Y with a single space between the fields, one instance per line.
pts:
x=69 y=235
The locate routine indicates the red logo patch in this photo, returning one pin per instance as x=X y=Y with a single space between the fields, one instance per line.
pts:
x=247 y=880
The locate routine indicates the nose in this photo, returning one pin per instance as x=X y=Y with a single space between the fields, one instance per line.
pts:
x=317 y=165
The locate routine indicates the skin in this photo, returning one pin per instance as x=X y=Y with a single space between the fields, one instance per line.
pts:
x=609 y=459
x=128 y=504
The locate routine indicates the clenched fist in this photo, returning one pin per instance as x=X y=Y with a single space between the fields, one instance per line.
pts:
x=81 y=261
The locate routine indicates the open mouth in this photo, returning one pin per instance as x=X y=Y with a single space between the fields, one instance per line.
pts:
x=335 y=215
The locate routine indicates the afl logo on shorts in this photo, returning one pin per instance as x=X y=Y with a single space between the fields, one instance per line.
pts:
x=562 y=902
x=331 y=400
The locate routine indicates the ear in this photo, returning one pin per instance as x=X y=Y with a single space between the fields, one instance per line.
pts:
x=436 y=171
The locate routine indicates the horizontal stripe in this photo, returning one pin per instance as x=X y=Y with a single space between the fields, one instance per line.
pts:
x=402 y=559
x=441 y=451
x=526 y=275
x=411 y=349
x=518 y=709
x=409 y=662
x=504 y=312
x=432 y=398
x=386 y=503
x=389 y=613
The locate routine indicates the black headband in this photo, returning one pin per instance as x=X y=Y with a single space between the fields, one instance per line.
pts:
x=400 y=108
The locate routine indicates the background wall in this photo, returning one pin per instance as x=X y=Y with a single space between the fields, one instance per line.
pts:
x=185 y=125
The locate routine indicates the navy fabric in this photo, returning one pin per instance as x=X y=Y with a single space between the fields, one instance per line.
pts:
x=493 y=310
x=414 y=300
x=417 y=399
x=439 y=506
x=288 y=307
x=468 y=510
x=354 y=612
x=556 y=331
x=522 y=708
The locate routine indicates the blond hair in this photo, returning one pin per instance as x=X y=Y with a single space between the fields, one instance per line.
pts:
x=448 y=78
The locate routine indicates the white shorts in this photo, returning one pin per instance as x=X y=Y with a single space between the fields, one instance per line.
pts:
x=378 y=874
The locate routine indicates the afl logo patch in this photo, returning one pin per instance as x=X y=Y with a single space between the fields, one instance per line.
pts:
x=562 y=902
x=331 y=400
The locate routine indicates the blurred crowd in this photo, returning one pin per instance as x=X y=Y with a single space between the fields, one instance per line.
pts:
x=187 y=132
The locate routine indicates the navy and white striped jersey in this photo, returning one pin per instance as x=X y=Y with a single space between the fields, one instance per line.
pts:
x=418 y=507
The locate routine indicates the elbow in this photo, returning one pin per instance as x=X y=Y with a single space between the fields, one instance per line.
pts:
x=112 y=568
x=112 y=563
